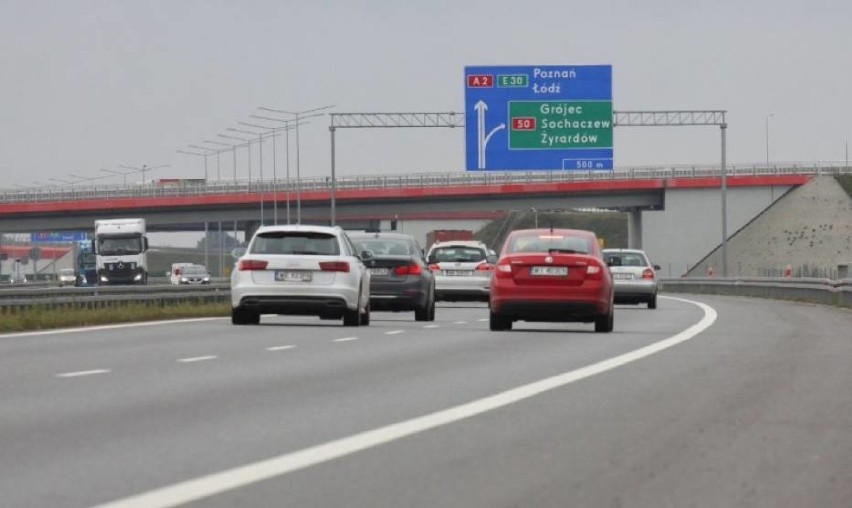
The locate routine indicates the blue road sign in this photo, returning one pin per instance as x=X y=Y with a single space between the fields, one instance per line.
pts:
x=58 y=236
x=538 y=117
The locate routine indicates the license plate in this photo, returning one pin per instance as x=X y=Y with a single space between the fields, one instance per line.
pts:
x=380 y=272
x=622 y=276
x=554 y=271
x=458 y=273
x=292 y=276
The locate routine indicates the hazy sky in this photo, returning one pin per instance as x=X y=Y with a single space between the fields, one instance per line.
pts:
x=98 y=84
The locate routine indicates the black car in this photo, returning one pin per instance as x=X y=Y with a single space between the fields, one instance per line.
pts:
x=400 y=279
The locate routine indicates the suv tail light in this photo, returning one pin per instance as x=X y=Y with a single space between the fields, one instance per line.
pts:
x=647 y=273
x=252 y=264
x=334 y=266
x=408 y=270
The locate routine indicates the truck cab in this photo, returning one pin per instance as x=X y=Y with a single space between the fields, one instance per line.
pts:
x=120 y=247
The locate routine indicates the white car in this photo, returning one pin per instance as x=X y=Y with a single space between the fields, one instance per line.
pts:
x=633 y=276
x=189 y=274
x=301 y=270
x=67 y=277
x=462 y=270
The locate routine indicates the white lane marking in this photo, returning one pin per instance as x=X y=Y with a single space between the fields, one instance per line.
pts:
x=482 y=320
x=206 y=486
x=280 y=348
x=197 y=359
x=84 y=373
x=345 y=339
x=223 y=481
x=117 y=326
x=460 y=323
x=394 y=332
x=431 y=326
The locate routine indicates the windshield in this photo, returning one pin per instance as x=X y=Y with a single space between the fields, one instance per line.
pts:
x=458 y=254
x=66 y=271
x=195 y=270
x=385 y=246
x=549 y=243
x=119 y=245
x=296 y=242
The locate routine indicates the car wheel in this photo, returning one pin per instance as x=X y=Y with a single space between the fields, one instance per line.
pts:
x=432 y=310
x=365 y=317
x=238 y=316
x=422 y=313
x=498 y=322
x=606 y=322
x=351 y=317
x=652 y=303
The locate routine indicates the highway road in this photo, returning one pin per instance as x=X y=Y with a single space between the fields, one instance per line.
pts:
x=707 y=401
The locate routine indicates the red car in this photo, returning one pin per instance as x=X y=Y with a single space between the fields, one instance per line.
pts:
x=551 y=275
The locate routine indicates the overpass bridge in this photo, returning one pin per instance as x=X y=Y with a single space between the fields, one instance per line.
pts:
x=685 y=200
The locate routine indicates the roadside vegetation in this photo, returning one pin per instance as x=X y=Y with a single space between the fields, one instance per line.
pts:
x=43 y=317
x=845 y=181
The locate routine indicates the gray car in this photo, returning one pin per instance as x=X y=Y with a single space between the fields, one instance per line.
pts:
x=400 y=279
x=634 y=277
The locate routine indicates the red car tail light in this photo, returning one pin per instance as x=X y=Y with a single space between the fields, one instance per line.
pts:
x=252 y=264
x=484 y=267
x=434 y=268
x=334 y=266
x=647 y=273
x=594 y=271
x=503 y=270
x=408 y=270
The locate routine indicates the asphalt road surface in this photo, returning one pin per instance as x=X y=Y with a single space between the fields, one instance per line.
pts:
x=705 y=402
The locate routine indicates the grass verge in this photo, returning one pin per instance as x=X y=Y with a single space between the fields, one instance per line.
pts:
x=46 y=318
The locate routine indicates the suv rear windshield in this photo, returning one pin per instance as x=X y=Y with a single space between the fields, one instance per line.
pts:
x=296 y=242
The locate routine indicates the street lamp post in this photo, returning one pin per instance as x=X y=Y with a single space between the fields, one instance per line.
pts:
x=288 y=126
x=122 y=173
x=233 y=148
x=770 y=115
x=143 y=169
x=197 y=154
x=297 y=116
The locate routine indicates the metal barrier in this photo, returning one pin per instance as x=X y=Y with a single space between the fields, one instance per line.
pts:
x=821 y=291
x=16 y=300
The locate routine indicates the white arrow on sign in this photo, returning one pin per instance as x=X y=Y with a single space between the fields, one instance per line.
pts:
x=482 y=138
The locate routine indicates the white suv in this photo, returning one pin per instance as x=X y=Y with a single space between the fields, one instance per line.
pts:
x=462 y=270
x=301 y=270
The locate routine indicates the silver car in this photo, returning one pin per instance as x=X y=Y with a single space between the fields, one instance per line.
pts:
x=301 y=270
x=462 y=270
x=633 y=276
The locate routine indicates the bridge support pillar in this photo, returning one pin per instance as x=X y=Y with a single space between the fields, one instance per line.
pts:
x=634 y=228
x=250 y=227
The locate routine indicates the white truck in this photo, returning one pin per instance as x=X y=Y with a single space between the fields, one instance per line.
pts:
x=120 y=247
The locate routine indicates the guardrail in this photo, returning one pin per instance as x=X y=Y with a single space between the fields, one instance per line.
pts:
x=411 y=180
x=14 y=300
x=813 y=290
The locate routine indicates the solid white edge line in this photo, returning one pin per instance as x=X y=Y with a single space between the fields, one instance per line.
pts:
x=116 y=326
x=205 y=486
x=84 y=373
x=197 y=359
x=345 y=339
